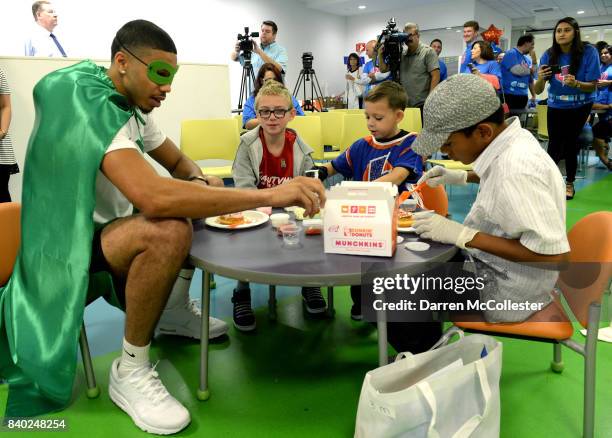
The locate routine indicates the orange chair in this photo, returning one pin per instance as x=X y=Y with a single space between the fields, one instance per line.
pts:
x=582 y=285
x=10 y=238
x=434 y=198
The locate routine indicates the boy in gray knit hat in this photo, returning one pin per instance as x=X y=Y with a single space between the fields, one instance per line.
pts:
x=519 y=213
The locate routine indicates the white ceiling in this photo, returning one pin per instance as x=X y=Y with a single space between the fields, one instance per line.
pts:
x=514 y=9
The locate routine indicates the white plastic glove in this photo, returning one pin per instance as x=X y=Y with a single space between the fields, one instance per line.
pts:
x=439 y=175
x=435 y=227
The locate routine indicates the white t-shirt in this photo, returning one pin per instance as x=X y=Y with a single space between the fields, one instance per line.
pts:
x=110 y=202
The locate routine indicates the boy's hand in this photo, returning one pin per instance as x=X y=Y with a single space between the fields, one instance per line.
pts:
x=308 y=193
x=439 y=175
x=439 y=229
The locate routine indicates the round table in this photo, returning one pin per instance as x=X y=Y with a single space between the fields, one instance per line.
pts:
x=258 y=255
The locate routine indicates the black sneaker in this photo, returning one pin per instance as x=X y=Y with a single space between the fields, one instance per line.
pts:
x=356 y=312
x=243 y=316
x=314 y=301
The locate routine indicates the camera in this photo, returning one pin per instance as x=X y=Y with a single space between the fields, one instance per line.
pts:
x=307 y=60
x=245 y=42
x=390 y=41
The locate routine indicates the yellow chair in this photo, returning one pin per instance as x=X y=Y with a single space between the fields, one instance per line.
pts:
x=331 y=131
x=238 y=118
x=309 y=130
x=340 y=110
x=542 y=111
x=354 y=111
x=354 y=127
x=211 y=139
x=412 y=120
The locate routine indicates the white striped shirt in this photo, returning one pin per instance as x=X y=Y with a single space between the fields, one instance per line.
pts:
x=7 y=155
x=521 y=196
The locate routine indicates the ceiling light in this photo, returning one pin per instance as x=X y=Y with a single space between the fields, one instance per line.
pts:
x=448 y=28
x=457 y=30
x=580 y=12
x=361 y=7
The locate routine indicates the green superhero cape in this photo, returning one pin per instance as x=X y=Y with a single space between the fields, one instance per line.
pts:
x=78 y=113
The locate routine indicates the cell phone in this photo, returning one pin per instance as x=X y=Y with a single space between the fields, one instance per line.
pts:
x=471 y=66
x=555 y=69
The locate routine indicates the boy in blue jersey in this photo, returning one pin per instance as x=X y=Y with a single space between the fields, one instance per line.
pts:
x=387 y=154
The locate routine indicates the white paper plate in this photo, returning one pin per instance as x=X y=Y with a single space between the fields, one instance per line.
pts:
x=417 y=246
x=406 y=230
x=400 y=239
x=255 y=218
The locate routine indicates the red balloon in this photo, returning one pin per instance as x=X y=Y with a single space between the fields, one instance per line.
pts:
x=492 y=34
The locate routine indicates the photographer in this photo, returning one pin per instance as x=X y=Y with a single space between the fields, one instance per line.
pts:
x=269 y=50
x=419 y=68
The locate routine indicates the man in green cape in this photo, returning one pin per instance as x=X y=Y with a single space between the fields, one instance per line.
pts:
x=85 y=161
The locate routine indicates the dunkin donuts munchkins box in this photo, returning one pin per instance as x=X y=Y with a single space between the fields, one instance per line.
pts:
x=361 y=218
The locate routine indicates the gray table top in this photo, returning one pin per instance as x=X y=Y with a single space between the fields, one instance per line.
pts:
x=258 y=255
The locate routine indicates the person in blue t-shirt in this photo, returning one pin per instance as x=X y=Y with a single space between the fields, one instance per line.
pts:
x=267 y=71
x=605 y=78
x=437 y=46
x=602 y=130
x=371 y=73
x=470 y=35
x=571 y=68
x=518 y=69
x=483 y=62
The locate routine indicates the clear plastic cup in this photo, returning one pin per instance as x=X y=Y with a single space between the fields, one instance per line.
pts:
x=409 y=205
x=291 y=234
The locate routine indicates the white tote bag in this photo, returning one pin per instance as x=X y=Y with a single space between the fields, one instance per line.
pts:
x=449 y=391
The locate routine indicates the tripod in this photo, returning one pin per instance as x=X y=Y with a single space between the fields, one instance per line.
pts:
x=248 y=79
x=309 y=75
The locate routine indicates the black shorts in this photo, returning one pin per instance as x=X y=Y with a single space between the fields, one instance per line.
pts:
x=102 y=281
x=603 y=130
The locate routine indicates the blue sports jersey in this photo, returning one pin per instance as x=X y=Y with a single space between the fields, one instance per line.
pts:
x=511 y=83
x=368 y=159
x=563 y=96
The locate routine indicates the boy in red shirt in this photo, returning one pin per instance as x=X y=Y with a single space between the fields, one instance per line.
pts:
x=268 y=156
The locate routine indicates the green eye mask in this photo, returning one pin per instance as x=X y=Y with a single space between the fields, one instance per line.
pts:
x=160 y=72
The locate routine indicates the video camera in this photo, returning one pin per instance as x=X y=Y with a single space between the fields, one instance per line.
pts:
x=246 y=43
x=307 y=59
x=391 y=40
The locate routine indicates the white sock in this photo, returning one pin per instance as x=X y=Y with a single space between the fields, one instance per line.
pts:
x=132 y=358
x=179 y=295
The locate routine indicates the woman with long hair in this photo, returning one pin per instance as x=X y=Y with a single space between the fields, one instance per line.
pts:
x=353 y=74
x=267 y=71
x=571 y=68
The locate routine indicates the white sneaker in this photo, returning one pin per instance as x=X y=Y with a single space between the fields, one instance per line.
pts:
x=185 y=320
x=145 y=398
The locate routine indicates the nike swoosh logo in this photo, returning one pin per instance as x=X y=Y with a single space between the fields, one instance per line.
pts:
x=129 y=354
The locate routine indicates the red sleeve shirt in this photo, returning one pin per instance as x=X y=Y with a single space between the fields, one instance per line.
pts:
x=274 y=171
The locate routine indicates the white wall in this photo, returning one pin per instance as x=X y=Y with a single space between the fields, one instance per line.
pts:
x=436 y=15
x=487 y=16
x=203 y=30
